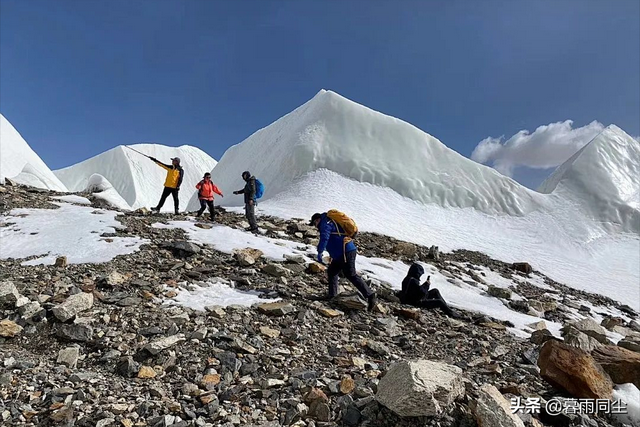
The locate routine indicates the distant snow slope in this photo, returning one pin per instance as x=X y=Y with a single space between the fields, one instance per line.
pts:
x=562 y=245
x=136 y=178
x=332 y=132
x=20 y=163
x=603 y=177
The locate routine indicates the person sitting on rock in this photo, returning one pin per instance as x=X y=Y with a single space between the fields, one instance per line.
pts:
x=413 y=293
x=206 y=188
x=343 y=257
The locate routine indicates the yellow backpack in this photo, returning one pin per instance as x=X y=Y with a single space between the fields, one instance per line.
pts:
x=348 y=226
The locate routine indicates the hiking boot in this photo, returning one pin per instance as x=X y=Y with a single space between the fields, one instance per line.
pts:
x=157 y=210
x=177 y=212
x=372 y=301
x=252 y=230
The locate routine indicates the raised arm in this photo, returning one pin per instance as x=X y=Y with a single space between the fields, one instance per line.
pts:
x=159 y=163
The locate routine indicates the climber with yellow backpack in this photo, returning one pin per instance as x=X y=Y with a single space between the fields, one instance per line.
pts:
x=337 y=231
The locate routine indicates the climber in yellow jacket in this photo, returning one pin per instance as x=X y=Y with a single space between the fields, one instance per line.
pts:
x=171 y=183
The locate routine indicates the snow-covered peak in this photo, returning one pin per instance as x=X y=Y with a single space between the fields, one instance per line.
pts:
x=136 y=178
x=334 y=133
x=20 y=163
x=603 y=178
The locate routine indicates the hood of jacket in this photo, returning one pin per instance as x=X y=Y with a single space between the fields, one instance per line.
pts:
x=415 y=271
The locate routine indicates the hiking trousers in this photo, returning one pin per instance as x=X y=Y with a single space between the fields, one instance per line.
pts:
x=348 y=268
x=434 y=300
x=165 y=194
x=250 y=213
x=203 y=205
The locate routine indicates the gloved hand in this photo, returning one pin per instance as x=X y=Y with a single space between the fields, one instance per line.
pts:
x=236 y=192
x=178 y=188
x=319 y=258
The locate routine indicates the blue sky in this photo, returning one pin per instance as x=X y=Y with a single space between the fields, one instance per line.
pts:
x=79 y=77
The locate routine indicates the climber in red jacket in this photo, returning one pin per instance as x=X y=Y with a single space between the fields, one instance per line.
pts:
x=206 y=188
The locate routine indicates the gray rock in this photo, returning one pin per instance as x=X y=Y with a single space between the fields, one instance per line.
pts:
x=420 y=388
x=492 y=409
x=590 y=327
x=276 y=270
x=277 y=308
x=575 y=338
x=9 y=294
x=73 y=305
x=183 y=249
x=75 y=332
x=351 y=302
x=127 y=367
x=162 y=344
x=69 y=356
x=540 y=336
x=630 y=342
x=351 y=416
x=497 y=292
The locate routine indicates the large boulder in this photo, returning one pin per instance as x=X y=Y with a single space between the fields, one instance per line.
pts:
x=573 y=370
x=590 y=327
x=622 y=365
x=420 y=388
x=493 y=410
x=73 y=305
x=184 y=249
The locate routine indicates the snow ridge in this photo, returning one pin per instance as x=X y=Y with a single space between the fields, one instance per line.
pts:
x=602 y=178
x=332 y=132
x=21 y=164
x=137 y=179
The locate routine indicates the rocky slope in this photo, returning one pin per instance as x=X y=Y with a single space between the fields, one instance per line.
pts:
x=98 y=345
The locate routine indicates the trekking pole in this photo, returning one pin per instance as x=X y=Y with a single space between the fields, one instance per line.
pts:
x=133 y=149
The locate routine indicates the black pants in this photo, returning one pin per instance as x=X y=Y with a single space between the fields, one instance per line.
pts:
x=204 y=204
x=165 y=194
x=435 y=300
x=250 y=213
x=348 y=268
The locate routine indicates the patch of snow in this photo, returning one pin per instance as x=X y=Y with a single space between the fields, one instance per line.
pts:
x=210 y=293
x=72 y=231
x=101 y=188
x=629 y=394
x=226 y=239
x=138 y=180
x=72 y=198
x=21 y=164
x=570 y=252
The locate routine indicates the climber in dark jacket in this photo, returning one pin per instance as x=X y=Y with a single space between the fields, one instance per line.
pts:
x=249 y=192
x=413 y=293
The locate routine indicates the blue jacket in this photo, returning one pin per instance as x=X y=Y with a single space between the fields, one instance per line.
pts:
x=331 y=241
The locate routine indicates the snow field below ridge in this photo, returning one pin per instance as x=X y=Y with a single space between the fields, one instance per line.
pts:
x=72 y=231
x=458 y=293
x=598 y=262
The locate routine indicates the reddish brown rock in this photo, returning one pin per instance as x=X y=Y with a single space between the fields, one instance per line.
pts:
x=573 y=370
x=622 y=365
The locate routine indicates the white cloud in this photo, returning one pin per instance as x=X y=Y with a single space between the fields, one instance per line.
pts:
x=548 y=146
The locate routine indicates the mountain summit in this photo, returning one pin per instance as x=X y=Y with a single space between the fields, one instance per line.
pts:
x=332 y=132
